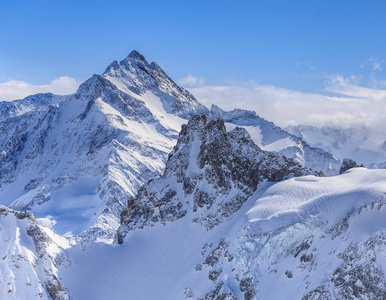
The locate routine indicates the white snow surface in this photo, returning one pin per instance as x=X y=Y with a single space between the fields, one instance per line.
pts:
x=160 y=262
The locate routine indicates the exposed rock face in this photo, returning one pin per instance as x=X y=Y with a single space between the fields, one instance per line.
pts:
x=210 y=173
x=347 y=164
x=31 y=258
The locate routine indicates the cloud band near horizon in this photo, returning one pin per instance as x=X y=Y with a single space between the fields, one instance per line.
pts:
x=343 y=102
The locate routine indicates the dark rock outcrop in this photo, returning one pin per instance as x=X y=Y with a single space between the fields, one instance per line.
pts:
x=211 y=172
x=347 y=164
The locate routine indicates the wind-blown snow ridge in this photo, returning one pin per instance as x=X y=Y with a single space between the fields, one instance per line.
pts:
x=308 y=236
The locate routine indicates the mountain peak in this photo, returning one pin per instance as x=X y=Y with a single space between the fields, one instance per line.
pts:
x=215 y=170
x=135 y=54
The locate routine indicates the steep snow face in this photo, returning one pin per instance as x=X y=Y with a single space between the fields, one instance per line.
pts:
x=79 y=158
x=364 y=145
x=209 y=175
x=302 y=238
x=270 y=137
x=30 y=257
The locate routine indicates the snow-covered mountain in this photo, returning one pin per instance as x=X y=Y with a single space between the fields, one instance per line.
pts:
x=249 y=238
x=302 y=238
x=270 y=137
x=79 y=158
x=209 y=175
x=362 y=144
x=168 y=200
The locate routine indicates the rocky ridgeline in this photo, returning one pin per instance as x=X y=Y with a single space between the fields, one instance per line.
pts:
x=209 y=175
x=139 y=77
x=270 y=137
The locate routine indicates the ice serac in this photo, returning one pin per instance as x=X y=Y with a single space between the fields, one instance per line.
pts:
x=270 y=137
x=80 y=157
x=30 y=257
x=208 y=176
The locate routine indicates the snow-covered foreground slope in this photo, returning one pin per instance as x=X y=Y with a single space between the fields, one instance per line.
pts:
x=270 y=137
x=79 y=158
x=306 y=237
x=30 y=255
x=362 y=144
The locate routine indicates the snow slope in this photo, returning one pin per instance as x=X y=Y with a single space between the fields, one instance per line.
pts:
x=306 y=237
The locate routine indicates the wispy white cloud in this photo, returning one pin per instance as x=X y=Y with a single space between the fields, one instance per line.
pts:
x=352 y=88
x=191 y=81
x=342 y=103
x=375 y=63
x=48 y=221
x=16 y=89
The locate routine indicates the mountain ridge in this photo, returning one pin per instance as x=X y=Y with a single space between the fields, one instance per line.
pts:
x=120 y=126
x=204 y=204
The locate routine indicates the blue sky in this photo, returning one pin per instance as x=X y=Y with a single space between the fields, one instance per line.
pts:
x=294 y=45
x=286 y=43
